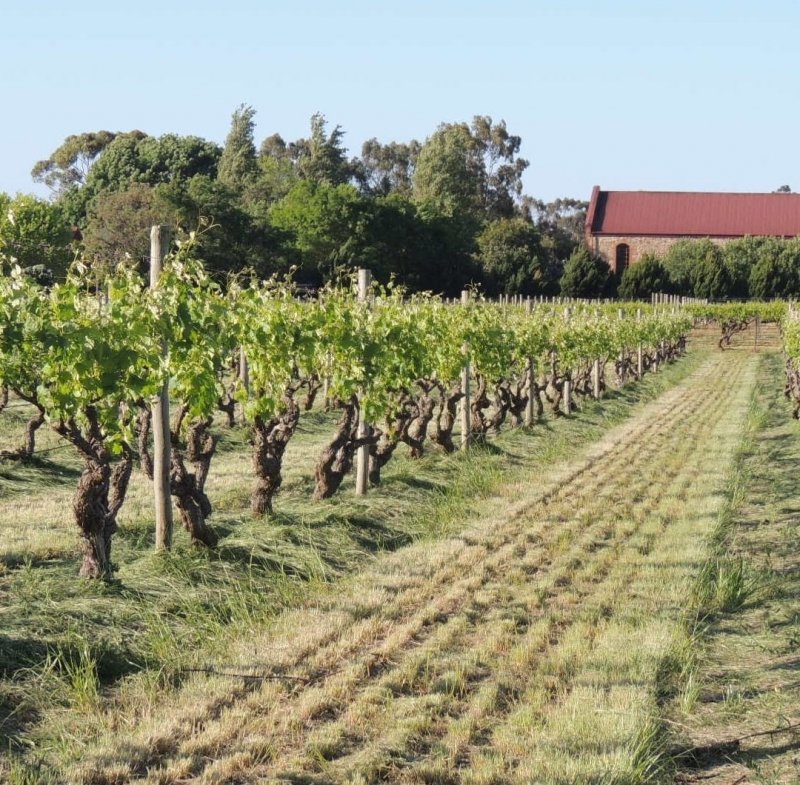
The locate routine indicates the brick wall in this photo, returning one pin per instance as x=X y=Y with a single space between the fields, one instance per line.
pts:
x=606 y=246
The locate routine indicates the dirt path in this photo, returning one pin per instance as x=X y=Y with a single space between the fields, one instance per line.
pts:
x=523 y=650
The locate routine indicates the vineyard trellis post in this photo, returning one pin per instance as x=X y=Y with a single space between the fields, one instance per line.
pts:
x=639 y=350
x=530 y=407
x=244 y=376
x=596 y=379
x=466 y=424
x=566 y=390
x=159 y=245
x=362 y=454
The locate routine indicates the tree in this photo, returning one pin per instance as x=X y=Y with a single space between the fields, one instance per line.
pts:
x=322 y=158
x=709 y=275
x=33 y=232
x=585 y=275
x=136 y=158
x=514 y=259
x=504 y=169
x=385 y=169
x=238 y=164
x=562 y=220
x=329 y=224
x=741 y=256
x=470 y=170
x=776 y=273
x=640 y=280
x=697 y=267
x=450 y=178
x=69 y=164
x=118 y=225
x=228 y=237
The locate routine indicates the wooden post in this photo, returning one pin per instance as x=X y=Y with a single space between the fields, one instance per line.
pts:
x=596 y=380
x=466 y=414
x=362 y=455
x=639 y=350
x=244 y=375
x=159 y=245
x=567 y=394
x=530 y=408
x=757 y=326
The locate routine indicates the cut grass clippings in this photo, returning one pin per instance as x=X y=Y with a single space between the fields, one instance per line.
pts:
x=732 y=702
x=71 y=649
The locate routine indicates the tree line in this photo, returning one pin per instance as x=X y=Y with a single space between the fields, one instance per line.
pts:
x=759 y=268
x=435 y=215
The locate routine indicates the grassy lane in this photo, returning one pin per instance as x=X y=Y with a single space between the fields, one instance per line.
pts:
x=524 y=649
x=744 y=679
x=81 y=662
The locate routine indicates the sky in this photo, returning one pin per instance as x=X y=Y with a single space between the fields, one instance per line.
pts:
x=701 y=95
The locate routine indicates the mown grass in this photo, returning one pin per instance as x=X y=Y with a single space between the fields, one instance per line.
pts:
x=69 y=647
x=736 y=662
x=520 y=649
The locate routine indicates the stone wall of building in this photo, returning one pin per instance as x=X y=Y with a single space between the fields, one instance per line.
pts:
x=606 y=246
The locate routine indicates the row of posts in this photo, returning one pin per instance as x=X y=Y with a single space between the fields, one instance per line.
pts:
x=465 y=411
x=159 y=244
x=659 y=298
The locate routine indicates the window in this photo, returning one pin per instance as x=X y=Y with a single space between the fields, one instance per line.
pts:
x=623 y=257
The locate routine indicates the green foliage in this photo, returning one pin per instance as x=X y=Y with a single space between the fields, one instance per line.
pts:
x=33 y=232
x=237 y=164
x=585 y=275
x=514 y=259
x=449 y=178
x=640 y=280
x=561 y=221
x=385 y=169
x=196 y=322
x=137 y=158
x=227 y=237
x=698 y=268
x=322 y=158
x=119 y=222
x=70 y=352
x=470 y=170
x=776 y=272
x=69 y=164
x=710 y=276
x=329 y=225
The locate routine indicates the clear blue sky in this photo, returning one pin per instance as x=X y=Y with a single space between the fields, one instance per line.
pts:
x=680 y=95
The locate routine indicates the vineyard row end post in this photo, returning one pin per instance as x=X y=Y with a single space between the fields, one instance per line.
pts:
x=466 y=424
x=159 y=245
x=362 y=455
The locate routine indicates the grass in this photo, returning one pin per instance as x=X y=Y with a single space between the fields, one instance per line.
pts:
x=741 y=649
x=74 y=653
x=524 y=629
x=521 y=644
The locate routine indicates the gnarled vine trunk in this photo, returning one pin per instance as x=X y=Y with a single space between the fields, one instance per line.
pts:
x=26 y=450
x=188 y=488
x=270 y=438
x=336 y=459
x=446 y=416
x=417 y=430
x=99 y=496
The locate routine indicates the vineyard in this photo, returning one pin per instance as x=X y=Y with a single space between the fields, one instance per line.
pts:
x=421 y=541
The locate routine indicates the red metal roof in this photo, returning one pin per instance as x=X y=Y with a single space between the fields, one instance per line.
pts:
x=682 y=213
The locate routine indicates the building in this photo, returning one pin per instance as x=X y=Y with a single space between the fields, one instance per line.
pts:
x=622 y=226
